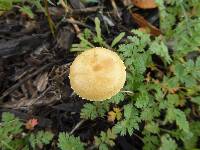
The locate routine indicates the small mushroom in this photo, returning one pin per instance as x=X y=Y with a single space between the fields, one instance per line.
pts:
x=97 y=74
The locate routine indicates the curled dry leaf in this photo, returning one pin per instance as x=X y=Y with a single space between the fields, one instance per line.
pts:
x=145 y=4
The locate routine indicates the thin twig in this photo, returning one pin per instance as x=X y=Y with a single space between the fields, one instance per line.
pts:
x=77 y=126
x=67 y=9
x=116 y=12
x=50 y=21
x=84 y=10
x=76 y=27
x=140 y=138
x=65 y=6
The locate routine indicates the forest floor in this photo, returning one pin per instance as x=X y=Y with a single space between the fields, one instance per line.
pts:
x=36 y=51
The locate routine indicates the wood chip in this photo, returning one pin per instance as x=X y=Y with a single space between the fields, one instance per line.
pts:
x=42 y=81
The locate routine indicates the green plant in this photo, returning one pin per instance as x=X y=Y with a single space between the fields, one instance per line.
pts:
x=105 y=140
x=12 y=136
x=66 y=141
x=6 y=5
x=179 y=21
x=94 y=110
x=148 y=97
x=88 y=39
x=40 y=138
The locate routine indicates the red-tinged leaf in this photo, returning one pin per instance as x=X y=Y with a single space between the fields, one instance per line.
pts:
x=30 y=124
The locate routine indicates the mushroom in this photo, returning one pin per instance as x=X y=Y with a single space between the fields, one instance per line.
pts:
x=97 y=74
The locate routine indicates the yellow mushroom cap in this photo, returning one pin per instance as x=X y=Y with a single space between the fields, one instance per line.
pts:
x=97 y=74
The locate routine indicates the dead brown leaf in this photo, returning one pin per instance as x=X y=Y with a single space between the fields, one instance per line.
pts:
x=145 y=4
x=144 y=24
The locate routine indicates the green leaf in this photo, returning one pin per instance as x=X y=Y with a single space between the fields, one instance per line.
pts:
x=179 y=70
x=11 y=124
x=103 y=147
x=89 y=111
x=142 y=100
x=27 y=10
x=174 y=114
x=40 y=138
x=150 y=112
x=159 y=48
x=196 y=100
x=167 y=143
x=9 y=127
x=181 y=120
x=106 y=139
x=119 y=97
x=66 y=141
x=151 y=142
x=98 y=38
x=6 y=5
x=94 y=110
x=117 y=39
x=197 y=64
x=130 y=122
x=152 y=127
x=191 y=142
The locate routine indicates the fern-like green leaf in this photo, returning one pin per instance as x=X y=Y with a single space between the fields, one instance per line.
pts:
x=66 y=141
x=130 y=122
x=168 y=143
x=40 y=138
x=94 y=110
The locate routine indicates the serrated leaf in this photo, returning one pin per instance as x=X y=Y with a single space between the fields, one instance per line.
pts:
x=94 y=110
x=117 y=98
x=66 y=141
x=174 y=114
x=151 y=142
x=167 y=143
x=152 y=127
x=196 y=100
x=159 y=48
x=130 y=122
x=142 y=100
x=181 y=120
x=106 y=139
x=40 y=138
